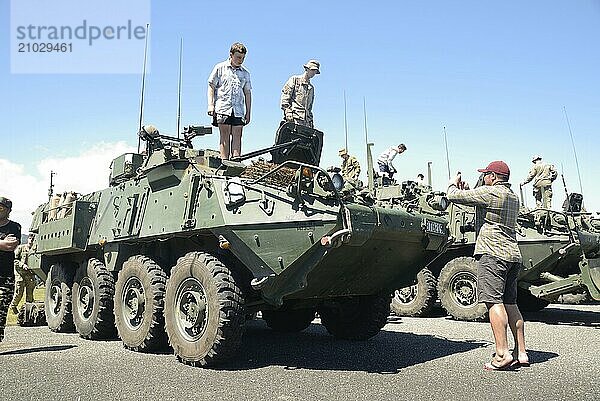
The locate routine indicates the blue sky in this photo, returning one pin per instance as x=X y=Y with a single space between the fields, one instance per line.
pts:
x=496 y=74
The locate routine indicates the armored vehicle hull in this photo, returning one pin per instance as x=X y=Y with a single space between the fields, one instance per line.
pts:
x=183 y=246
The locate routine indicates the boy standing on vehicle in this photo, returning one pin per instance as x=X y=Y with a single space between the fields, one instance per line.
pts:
x=230 y=100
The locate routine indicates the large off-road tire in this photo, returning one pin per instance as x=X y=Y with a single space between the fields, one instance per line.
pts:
x=93 y=294
x=457 y=290
x=204 y=310
x=417 y=300
x=139 y=304
x=528 y=302
x=288 y=321
x=57 y=301
x=358 y=318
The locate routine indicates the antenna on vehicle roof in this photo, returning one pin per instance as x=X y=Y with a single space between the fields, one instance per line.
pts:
x=369 y=155
x=179 y=88
x=345 y=123
x=143 y=85
x=574 y=151
x=447 y=156
x=51 y=187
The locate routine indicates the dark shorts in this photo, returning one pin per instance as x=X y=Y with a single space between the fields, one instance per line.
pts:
x=496 y=280
x=384 y=168
x=227 y=120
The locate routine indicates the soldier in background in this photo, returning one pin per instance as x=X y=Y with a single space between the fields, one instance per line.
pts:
x=542 y=174
x=298 y=94
x=350 y=166
x=10 y=235
x=420 y=179
x=24 y=277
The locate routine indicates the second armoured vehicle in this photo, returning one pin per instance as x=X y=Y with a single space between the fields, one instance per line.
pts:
x=560 y=256
x=182 y=247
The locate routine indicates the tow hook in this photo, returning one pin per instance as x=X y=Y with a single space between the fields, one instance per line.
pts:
x=331 y=240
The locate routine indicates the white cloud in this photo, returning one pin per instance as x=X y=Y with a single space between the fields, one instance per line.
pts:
x=84 y=173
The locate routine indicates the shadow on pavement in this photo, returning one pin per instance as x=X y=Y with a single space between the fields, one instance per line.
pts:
x=536 y=357
x=38 y=349
x=560 y=316
x=387 y=353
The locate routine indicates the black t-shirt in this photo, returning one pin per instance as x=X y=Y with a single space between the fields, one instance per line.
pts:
x=7 y=258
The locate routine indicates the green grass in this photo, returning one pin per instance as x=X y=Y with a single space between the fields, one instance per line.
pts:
x=38 y=295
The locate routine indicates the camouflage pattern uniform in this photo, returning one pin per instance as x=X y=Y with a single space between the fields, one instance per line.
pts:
x=297 y=98
x=350 y=168
x=7 y=288
x=543 y=175
x=24 y=279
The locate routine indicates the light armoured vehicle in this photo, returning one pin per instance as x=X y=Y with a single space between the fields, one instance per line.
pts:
x=560 y=251
x=183 y=247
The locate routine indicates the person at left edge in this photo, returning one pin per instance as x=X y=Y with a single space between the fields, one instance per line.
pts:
x=10 y=236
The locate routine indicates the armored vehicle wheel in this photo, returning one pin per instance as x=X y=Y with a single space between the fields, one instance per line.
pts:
x=93 y=293
x=57 y=302
x=358 y=318
x=288 y=320
x=204 y=310
x=528 y=302
x=457 y=290
x=31 y=314
x=417 y=300
x=139 y=304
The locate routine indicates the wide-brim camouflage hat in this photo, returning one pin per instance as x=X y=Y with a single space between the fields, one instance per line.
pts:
x=536 y=158
x=313 y=65
x=342 y=152
x=6 y=202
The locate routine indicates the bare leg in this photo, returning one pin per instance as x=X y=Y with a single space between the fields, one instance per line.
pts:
x=517 y=327
x=236 y=140
x=499 y=323
x=224 y=144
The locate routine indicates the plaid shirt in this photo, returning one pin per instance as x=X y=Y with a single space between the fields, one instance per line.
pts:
x=496 y=211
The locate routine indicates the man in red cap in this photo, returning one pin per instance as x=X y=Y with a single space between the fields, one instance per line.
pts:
x=498 y=258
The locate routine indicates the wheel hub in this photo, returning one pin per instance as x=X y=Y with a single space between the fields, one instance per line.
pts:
x=406 y=295
x=464 y=289
x=85 y=298
x=191 y=309
x=55 y=298
x=134 y=303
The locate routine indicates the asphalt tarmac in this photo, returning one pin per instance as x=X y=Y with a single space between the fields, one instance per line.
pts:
x=417 y=359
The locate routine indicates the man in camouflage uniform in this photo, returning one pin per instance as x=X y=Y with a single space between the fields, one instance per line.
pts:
x=350 y=166
x=24 y=278
x=543 y=175
x=10 y=235
x=298 y=94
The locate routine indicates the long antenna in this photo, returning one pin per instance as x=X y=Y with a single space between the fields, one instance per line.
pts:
x=143 y=85
x=574 y=151
x=370 y=172
x=179 y=88
x=365 y=114
x=447 y=156
x=345 y=122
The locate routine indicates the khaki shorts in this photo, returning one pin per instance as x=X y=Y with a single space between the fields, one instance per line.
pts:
x=496 y=280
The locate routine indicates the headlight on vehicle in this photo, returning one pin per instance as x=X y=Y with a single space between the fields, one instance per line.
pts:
x=338 y=181
x=438 y=202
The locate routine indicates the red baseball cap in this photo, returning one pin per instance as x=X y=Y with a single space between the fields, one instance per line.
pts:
x=498 y=167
